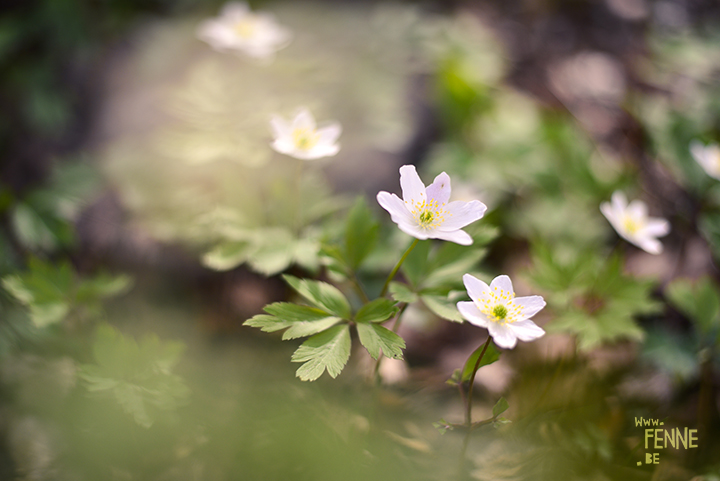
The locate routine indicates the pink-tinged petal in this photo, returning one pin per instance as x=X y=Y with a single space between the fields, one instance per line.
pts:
x=619 y=202
x=459 y=214
x=526 y=330
x=413 y=230
x=477 y=289
x=472 y=314
x=456 y=236
x=649 y=244
x=412 y=187
x=502 y=283
x=396 y=207
x=637 y=210
x=502 y=335
x=281 y=129
x=303 y=120
x=607 y=210
x=329 y=134
x=234 y=10
x=656 y=227
x=531 y=305
x=439 y=190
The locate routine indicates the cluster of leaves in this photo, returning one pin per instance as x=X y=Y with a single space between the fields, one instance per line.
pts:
x=138 y=375
x=53 y=292
x=592 y=297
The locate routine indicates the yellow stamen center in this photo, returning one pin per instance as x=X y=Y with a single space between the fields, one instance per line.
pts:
x=246 y=27
x=428 y=214
x=631 y=226
x=305 y=139
x=499 y=307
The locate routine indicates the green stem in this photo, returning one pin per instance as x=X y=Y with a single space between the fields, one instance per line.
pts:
x=397 y=267
x=468 y=411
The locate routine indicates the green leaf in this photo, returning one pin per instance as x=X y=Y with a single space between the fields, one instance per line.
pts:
x=361 y=233
x=699 y=302
x=329 y=350
x=103 y=285
x=322 y=295
x=267 y=323
x=290 y=312
x=491 y=355
x=274 y=251
x=375 y=338
x=402 y=293
x=378 y=310
x=442 y=307
x=415 y=265
x=450 y=263
x=308 y=328
x=500 y=407
x=227 y=256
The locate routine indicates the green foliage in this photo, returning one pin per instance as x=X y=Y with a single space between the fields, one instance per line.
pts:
x=465 y=375
x=402 y=293
x=361 y=232
x=376 y=338
x=328 y=350
x=52 y=292
x=500 y=407
x=378 y=310
x=322 y=295
x=700 y=302
x=591 y=296
x=138 y=375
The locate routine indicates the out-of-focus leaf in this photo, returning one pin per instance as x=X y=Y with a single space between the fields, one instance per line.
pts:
x=442 y=306
x=361 y=231
x=329 y=350
x=401 y=293
x=376 y=338
x=227 y=256
x=699 y=302
x=500 y=407
x=491 y=355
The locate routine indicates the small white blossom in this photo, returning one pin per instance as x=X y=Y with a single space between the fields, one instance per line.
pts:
x=633 y=224
x=237 y=29
x=496 y=308
x=425 y=213
x=708 y=156
x=302 y=139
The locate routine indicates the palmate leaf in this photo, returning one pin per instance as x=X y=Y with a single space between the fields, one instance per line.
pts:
x=699 y=302
x=376 y=338
x=308 y=328
x=322 y=295
x=329 y=350
x=378 y=310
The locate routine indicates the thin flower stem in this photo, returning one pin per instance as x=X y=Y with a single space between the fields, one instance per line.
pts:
x=397 y=267
x=468 y=411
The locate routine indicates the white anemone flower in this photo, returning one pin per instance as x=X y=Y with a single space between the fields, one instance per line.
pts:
x=425 y=213
x=708 y=156
x=237 y=29
x=632 y=223
x=496 y=308
x=302 y=139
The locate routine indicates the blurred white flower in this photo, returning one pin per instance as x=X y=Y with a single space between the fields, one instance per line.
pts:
x=708 y=156
x=633 y=224
x=237 y=29
x=496 y=308
x=301 y=138
x=425 y=213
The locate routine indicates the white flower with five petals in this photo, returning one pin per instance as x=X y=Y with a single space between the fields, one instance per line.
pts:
x=496 y=308
x=425 y=213
x=302 y=139
x=632 y=223
x=708 y=156
x=237 y=29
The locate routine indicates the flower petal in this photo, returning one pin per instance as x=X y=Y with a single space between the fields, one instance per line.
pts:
x=457 y=236
x=502 y=282
x=281 y=129
x=608 y=211
x=648 y=244
x=396 y=207
x=477 y=289
x=637 y=210
x=472 y=314
x=461 y=214
x=439 y=190
x=526 y=330
x=303 y=120
x=329 y=134
x=412 y=187
x=503 y=335
x=234 y=10
x=656 y=227
x=531 y=305
x=619 y=202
